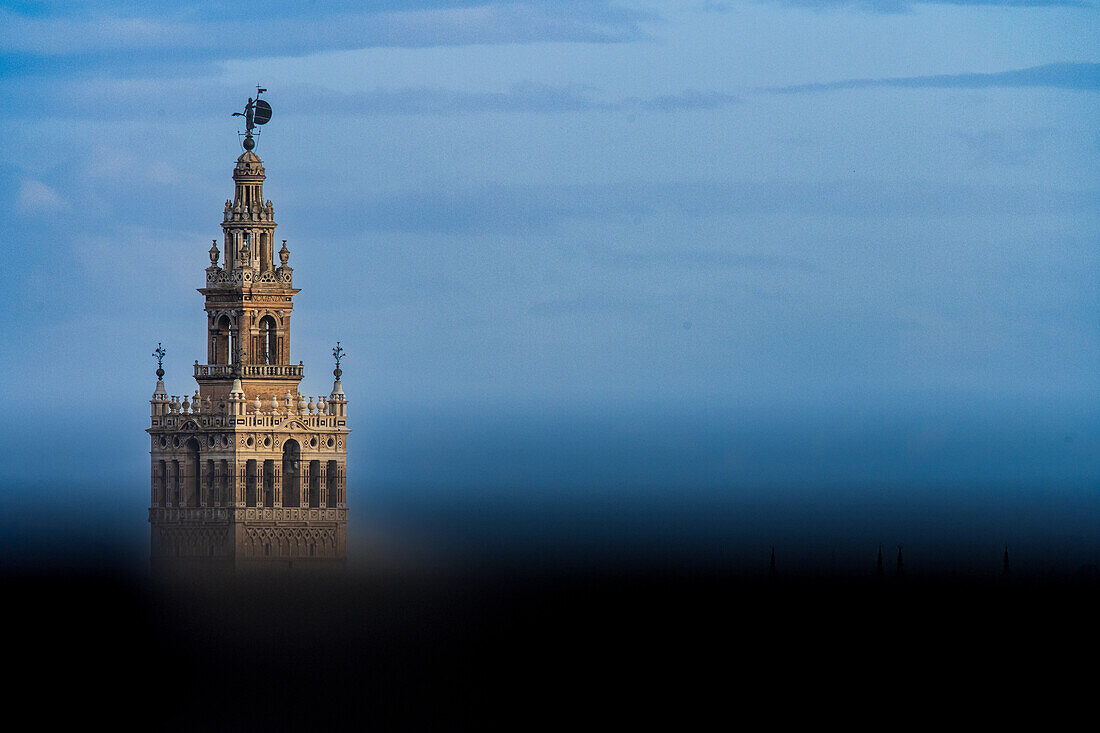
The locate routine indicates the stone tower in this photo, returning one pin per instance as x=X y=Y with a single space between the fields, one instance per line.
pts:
x=248 y=472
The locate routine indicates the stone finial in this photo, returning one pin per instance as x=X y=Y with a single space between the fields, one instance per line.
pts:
x=214 y=252
x=186 y=405
x=284 y=254
x=256 y=405
x=311 y=406
x=274 y=404
x=301 y=404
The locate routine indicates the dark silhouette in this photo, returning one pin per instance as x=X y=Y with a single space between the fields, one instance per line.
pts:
x=771 y=564
x=1006 y=571
x=879 y=570
x=900 y=571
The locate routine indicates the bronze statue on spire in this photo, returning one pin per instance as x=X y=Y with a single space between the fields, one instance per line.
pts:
x=256 y=112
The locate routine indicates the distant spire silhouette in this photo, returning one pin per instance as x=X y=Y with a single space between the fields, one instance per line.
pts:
x=879 y=571
x=1006 y=571
x=771 y=564
x=901 y=566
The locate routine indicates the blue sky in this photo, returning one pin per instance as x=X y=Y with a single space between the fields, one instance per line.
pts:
x=585 y=244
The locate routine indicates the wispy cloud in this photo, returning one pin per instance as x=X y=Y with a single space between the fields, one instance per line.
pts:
x=1008 y=147
x=36 y=198
x=1066 y=75
x=517 y=209
x=198 y=98
x=525 y=97
x=69 y=39
x=896 y=6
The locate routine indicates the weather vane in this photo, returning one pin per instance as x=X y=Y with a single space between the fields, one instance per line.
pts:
x=256 y=112
x=338 y=352
x=158 y=354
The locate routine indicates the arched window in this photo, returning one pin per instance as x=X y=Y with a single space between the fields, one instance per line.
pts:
x=221 y=346
x=291 y=473
x=314 y=484
x=331 y=485
x=213 y=496
x=162 y=484
x=174 y=484
x=192 y=481
x=224 y=484
x=269 y=483
x=269 y=344
x=250 y=483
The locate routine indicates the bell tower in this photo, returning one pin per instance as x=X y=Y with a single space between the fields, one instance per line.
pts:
x=249 y=471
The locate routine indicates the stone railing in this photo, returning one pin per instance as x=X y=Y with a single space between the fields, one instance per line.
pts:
x=325 y=412
x=216 y=277
x=250 y=371
x=238 y=514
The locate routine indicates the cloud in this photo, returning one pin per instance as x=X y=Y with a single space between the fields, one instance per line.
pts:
x=896 y=6
x=35 y=197
x=118 y=99
x=1065 y=75
x=516 y=209
x=71 y=40
x=106 y=163
x=525 y=97
x=1008 y=147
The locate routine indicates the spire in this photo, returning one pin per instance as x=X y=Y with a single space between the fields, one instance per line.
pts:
x=337 y=352
x=158 y=354
x=901 y=567
x=771 y=564
x=249 y=219
x=879 y=571
x=159 y=400
x=1005 y=571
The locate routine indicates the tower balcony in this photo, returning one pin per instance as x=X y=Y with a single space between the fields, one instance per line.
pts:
x=250 y=371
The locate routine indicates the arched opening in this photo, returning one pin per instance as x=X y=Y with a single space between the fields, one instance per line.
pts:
x=269 y=483
x=221 y=342
x=212 y=493
x=315 y=484
x=162 y=484
x=331 y=485
x=250 y=483
x=292 y=472
x=269 y=334
x=174 y=484
x=223 y=484
x=192 y=481
x=263 y=252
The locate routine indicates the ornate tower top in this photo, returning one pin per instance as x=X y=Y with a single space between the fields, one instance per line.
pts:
x=249 y=287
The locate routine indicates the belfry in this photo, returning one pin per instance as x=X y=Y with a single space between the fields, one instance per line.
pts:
x=248 y=472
